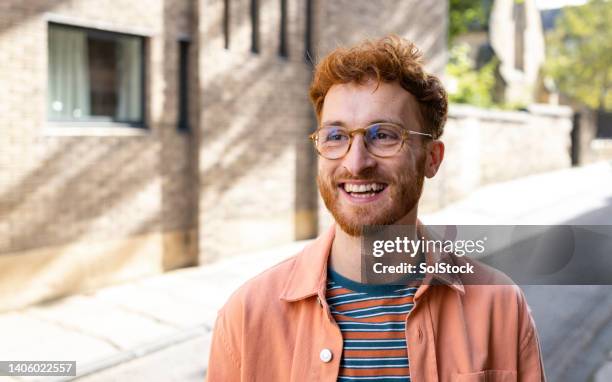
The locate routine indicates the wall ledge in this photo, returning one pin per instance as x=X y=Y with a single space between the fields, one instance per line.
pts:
x=458 y=111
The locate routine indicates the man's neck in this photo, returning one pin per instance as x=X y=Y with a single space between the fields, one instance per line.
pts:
x=345 y=256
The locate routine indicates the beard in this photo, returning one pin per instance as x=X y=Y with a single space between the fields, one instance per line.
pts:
x=403 y=194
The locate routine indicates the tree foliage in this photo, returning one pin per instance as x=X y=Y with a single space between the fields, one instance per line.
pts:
x=466 y=15
x=474 y=87
x=579 y=53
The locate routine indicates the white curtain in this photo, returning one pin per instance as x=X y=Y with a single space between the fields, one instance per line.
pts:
x=68 y=74
x=129 y=79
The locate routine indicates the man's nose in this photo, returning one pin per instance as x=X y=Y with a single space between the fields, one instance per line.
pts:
x=358 y=158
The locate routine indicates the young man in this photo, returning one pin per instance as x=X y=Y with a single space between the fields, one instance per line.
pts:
x=310 y=318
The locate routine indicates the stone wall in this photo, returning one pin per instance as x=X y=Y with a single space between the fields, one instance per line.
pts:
x=488 y=146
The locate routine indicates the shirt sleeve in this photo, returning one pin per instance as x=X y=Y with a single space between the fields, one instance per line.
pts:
x=224 y=361
x=530 y=365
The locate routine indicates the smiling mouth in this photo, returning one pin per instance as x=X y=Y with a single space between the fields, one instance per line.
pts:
x=363 y=190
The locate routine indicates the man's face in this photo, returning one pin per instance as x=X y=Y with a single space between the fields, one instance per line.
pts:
x=398 y=179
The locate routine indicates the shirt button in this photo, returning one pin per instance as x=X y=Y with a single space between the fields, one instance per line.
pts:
x=325 y=355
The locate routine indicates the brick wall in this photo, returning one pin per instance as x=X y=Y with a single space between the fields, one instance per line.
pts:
x=344 y=22
x=255 y=116
x=82 y=207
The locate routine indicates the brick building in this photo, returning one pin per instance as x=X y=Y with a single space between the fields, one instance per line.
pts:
x=143 y=136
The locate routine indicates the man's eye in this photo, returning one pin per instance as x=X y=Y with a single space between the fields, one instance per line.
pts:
x=335 y=137
x=381 y=135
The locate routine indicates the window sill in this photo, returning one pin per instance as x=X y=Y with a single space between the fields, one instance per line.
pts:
x=97 y=130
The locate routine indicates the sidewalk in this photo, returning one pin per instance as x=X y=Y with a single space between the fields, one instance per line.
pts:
x=126 y=322
x=566 y=196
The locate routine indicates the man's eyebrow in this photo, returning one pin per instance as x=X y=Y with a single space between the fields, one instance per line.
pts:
x=386 y=120
x=373 y=122
x=332 y=123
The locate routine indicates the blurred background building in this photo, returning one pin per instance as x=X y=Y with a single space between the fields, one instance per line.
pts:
x=143 y=136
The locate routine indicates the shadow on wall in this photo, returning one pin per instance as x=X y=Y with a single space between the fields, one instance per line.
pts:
x=85 y=187
x=255 y=121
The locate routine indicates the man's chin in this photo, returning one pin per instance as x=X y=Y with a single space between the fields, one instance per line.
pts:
x=354 y=225
x=351 y=229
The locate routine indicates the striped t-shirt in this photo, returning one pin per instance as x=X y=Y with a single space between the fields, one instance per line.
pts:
x=372 y=319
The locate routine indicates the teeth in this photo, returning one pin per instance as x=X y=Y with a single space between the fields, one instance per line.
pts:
x=348 y=187
x=363 y=195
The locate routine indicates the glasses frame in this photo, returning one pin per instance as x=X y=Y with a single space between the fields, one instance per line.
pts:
x=406 y=133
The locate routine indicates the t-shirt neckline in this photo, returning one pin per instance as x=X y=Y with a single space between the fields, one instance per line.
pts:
x=371 y=289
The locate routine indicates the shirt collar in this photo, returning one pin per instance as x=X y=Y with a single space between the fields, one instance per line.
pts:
x=308 y=276
x=309 y=273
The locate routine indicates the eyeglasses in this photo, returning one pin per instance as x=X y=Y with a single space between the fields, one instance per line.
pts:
x=381 y=139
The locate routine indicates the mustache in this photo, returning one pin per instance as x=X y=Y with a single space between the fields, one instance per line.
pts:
x=367 y=174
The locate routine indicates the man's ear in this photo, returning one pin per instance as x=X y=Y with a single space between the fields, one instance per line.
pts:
x=434 y=154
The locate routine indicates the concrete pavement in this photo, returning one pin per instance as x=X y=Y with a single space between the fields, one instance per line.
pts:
x=158 y=329
x=126 y=322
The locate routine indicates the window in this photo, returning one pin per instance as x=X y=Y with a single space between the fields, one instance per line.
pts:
x=183 y=83
x=255 y=26
x=283 y=49
x=308 y=33
x=95 y=76
x=226 y=24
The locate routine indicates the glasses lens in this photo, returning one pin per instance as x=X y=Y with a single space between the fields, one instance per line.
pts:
x=383 y=139
x=332 y=141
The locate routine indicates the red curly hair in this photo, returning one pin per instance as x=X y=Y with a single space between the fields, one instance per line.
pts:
x=388 y=59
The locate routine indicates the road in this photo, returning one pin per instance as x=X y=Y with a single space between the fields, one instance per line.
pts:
x=575 y=322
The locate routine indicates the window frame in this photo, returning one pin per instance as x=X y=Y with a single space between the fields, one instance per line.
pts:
x=254 y=15
x=283 y=43
x=183 y=99
x=308 y=32
x=101 y=121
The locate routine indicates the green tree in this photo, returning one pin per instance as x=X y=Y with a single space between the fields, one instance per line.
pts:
x=474 y=87
x=579 y=52
x=467 y=15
